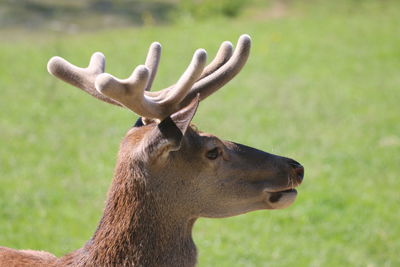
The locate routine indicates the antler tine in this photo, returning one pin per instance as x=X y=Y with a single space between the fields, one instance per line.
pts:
x=130 y=92
x=223 y=55
x=186 y=81
x=222 y=75
x=152 y=61
x=82 y=78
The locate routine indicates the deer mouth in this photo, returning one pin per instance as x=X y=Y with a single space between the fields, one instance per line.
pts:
x=280 y=199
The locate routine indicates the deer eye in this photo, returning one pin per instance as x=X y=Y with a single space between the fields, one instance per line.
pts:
x=213 y=154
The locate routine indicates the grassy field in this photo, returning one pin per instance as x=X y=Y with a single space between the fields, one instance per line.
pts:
x=322 y=86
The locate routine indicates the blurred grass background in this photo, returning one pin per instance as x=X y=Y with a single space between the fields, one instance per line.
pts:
x=322 y=86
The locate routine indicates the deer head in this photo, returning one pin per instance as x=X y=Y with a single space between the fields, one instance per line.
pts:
x=174 y=170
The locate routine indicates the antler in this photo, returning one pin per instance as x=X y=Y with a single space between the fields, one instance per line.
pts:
x=134 y=93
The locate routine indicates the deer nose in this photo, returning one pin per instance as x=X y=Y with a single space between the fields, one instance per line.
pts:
x=298 y=170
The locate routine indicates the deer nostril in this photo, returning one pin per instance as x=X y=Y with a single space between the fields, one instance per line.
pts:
x=299 y=172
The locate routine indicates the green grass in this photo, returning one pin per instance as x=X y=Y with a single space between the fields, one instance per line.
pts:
x=322 y=86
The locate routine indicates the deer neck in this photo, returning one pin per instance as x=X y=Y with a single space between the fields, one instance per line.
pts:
x=136 y=230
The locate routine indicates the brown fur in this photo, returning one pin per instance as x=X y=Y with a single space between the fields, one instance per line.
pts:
x=159 y=190
x=25 y=258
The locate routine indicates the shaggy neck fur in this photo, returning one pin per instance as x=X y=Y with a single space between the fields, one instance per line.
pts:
x=136 y=230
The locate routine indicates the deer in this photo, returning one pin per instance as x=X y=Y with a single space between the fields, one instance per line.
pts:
x=168 y=173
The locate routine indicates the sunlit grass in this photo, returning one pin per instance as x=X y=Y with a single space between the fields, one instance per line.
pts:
x=321 y=88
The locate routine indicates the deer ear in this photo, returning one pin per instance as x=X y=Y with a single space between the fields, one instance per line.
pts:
x=174 y=127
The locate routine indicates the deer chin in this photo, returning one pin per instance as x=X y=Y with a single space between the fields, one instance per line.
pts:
x=280 y=199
